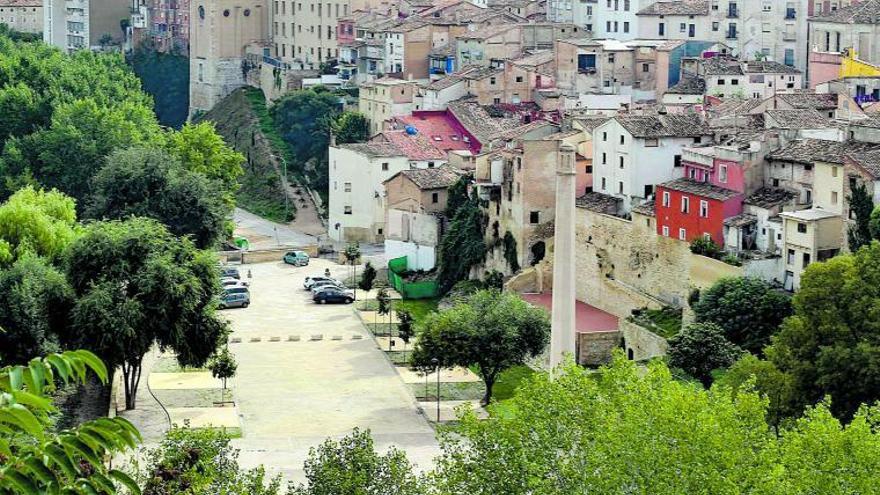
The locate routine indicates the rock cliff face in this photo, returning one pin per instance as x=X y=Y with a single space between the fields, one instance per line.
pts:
x=261 y=187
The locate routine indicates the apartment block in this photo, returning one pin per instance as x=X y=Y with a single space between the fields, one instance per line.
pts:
x=77 y=24
x=25 y=16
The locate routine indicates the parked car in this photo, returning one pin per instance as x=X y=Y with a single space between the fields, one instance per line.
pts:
x=229 y=281
x=229 y=272
x=307 y=284
x=235 y=300
x=333 y=295
x=237 y=289
x=326 y=285
x=296 y=258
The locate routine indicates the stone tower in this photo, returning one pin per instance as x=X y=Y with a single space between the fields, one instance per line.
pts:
x=562 y=337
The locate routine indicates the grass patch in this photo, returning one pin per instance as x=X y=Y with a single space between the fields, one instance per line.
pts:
x=234 y=432
x=509 y=380
x=449 y=391
x=418 y=308
x=203 y=397
x=168 y=364
x=400 y=358
x=267 y=126
x=382 y=329
x=665 y=322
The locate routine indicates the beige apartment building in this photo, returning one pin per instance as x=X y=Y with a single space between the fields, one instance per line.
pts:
x=304 y=32
x=385 y=98
x=25 y=16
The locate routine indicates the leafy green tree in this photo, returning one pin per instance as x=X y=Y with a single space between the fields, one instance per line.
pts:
x=762 y=376
x=136 y=286
x=746 y=308
x=20 y=111
x=38 y=222
x=405 y=328
x=627 y=429
x=831 y=345
x=367 y=277
x=36 y=458
x=351 y=127
x=458 y=195
x=165 y=76
x=36 y=305
x=490 y=330
x=201 y=461
x=861 y=205
x=148 y=182
x=201 y=149
x=463 y=246
x=874 y=223
x=384 y=300
x=700 y=349
x=69 y=153
x=223 y=366
x=351 y=466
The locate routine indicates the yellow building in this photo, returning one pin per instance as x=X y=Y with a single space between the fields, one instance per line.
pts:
x=808 y=236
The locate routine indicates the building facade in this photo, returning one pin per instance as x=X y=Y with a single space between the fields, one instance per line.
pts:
x=25 y=16
x=77 y=24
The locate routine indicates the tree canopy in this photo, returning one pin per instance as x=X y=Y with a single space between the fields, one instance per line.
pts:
x=491 y=330
x=831 y=345
x=148 y=182
x=200 y=149
x=747 y=309
x=38 y=222
x=351 y=127
x=700 y=349
x=136 y=285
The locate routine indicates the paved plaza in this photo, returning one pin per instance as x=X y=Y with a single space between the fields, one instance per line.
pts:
x=293 y=389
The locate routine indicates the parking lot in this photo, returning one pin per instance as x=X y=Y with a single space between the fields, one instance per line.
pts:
x=309 y=371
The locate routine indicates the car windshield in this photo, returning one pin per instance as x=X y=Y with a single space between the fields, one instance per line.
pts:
x=236 y=290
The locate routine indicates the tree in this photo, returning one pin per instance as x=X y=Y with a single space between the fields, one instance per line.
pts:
x=165 y=76
x=148 y=182
x=384 y=301
x=223 y=366
x=20 y=110
x=35 y=310
x=706 y=247
x=701 y=349
x=367 y=277
x=861 y=205
x=201 y=461
x=136 y=286
x=405 y=328
x=458 y=195
x=746 y=308
x=200 y=149
x=351 y=127
x=754 y=374
x=351 y=466
x=352 y=253
x=463 y=246
x=38 y=459
x=831 y=345
x=627 y=429
x=38 y=222
x=874 y=223
x=490 y=330
x=69 y=153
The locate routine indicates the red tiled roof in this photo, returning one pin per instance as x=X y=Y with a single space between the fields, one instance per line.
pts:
x=414 y=146
x=444 y=132
x=588 y=319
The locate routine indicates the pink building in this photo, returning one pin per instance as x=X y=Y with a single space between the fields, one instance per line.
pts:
x=345 y=31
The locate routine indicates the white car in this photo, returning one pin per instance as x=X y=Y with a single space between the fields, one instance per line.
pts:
x=310 y=281
x=231 y=282
x=318 y=287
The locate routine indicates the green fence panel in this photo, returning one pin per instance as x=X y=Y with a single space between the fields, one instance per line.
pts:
x=409 y=290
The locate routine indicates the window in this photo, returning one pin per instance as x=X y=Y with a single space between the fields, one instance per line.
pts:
x=348 y=187
x=714 y=26
x=676 y=161
x=492 y=80
x=721 y=82
x=622 y=139
x=693 y=174
x=620 y=188
x=682 y=27
x=603 y=183
x=833 y=171
x=790 y=259
x=604 y=158
x=665 y=231
x=347 y=210
x=626 y=5
x=651 y=143
x=666 y=198
x=834 y=197
x=588 y=169
x=621 y=163
x=802 y=228
x=646 y=67
x=534 y=217
x=685 y=204
x=625 y=27
x=384 y=166
x=704 y=209
x=661 y=29
x=682 y=234
x=734 y=82
x=806 y=259
x=649 y=190
x=608 y=26
x=722 y=173
x=435 y=198
x=519 y=79
x=430 y=164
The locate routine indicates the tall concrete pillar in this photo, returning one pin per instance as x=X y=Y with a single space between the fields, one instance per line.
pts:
x=562 y=337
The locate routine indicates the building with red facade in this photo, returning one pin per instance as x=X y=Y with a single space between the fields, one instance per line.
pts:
x=687 y=209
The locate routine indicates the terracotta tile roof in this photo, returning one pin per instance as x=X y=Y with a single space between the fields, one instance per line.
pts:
x=433 y=178
x=769 y=197
x=869 y=160
x=443 y=50
x=817 y=150
x=678 y=7
x=866 y=12
x=698 y=188
x=741 y=220
x=689 y=85
x=446 y=82
x=414 y=146
x=733 y=106
x=440 y=128
x=487 y=32
x=769 y=67
x=21 y=3
x=669 y=125
x=478 y=122
x=795 y=119
x=600 y=203
x=722 y=66
x=809 y=100
x=646 y=208
x=373 y=149
x=535 y=59
x=588 y=123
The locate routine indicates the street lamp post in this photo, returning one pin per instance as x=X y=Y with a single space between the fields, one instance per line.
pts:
x=436 y=364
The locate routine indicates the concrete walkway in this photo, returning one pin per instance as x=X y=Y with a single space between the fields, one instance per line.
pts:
x=291 y=395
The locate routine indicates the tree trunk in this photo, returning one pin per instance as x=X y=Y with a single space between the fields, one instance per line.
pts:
x=132 y=377
x=489 y=379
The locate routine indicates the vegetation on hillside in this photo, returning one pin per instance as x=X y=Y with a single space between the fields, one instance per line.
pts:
x=165 y=77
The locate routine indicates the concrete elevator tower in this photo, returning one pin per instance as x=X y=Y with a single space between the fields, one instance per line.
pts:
x=562 y=337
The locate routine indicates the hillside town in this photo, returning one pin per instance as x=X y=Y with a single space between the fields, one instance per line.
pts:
x=453 y=247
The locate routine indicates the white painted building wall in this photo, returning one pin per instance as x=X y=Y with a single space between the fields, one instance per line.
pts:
x=394 y=51
x=438 y=99
x=414 y=235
